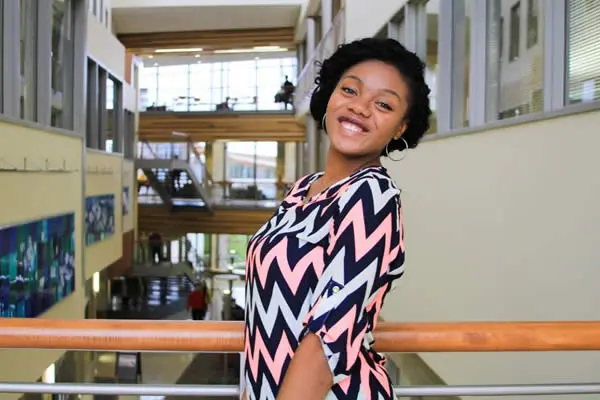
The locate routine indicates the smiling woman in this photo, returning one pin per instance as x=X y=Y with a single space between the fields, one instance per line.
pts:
x=318 y=271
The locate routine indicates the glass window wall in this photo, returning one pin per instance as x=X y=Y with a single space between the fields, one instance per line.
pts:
x=28 y=67
x=245 y=85
x=251 y=170
x=583 y=54
x=514 y=74
x=62 y=63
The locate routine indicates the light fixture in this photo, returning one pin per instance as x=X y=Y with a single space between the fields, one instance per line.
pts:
x=181 y=134
x=150 y=56
x=192 y=50
x=197 y=56
x=156 y=64
x=96 y=283
x=258 y=49
x=49 y=375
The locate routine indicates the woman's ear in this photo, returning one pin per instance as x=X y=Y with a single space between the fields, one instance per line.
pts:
x=401 y=130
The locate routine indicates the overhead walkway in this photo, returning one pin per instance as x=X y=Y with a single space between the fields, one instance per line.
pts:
x=164 y=125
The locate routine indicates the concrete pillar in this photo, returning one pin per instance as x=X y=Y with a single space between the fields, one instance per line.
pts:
x=312 y=136
x=326 y=16
x=214 y=251
x=223 y=251
x=299 y=159
x=290 y=173
x=323 y=149
x=311 y=39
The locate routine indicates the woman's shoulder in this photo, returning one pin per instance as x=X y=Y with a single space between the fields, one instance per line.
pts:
x=374 y=182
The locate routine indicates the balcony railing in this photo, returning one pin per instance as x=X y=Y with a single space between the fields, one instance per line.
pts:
x=306 y=80
x=114 y=335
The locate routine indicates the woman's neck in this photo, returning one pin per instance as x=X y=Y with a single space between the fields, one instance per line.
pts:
x=338 y=166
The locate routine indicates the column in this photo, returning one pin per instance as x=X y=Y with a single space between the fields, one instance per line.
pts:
x=312 y=135
x=451 y=75
x=311 y=42
x=326 y=16
x=223 y=251
x=92 y=114
x=323 y=149
x=80 y=14
x=10 y=74
x=214 y=251
x=280 y=166
x=118 y=124
x=299 y=159
x=102 y=112
x=44 y=60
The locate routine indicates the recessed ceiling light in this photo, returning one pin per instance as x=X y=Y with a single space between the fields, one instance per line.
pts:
x=194 y=50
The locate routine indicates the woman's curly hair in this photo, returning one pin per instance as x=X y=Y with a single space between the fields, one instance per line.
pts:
x=390 y=52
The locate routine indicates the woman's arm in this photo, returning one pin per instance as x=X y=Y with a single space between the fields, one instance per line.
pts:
x=308 y=376
x=365 y=244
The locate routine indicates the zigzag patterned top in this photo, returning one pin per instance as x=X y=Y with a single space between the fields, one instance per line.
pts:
x=324 y=265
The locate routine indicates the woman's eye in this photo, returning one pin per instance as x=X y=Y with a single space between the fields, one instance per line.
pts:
x=348 y=90
x=385 y=106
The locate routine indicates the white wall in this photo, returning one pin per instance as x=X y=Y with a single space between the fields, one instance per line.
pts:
x=504 y=225
x=105 y=48
x=366 y=18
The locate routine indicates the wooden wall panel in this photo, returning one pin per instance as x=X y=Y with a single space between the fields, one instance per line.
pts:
x=200 y=127
x=226 y=221
x=123 y=264
x=208 y=40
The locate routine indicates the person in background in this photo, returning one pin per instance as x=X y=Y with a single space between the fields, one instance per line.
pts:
x=155 y=244
x=197 y=302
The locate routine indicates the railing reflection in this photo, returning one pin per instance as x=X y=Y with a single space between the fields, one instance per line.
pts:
x=233 y=104
x=227 y=336
x=306 y=80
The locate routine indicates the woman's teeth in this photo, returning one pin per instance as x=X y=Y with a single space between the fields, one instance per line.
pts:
x=349 y=126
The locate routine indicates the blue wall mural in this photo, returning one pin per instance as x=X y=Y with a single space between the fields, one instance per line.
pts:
x=37 y=265
x=99 y=218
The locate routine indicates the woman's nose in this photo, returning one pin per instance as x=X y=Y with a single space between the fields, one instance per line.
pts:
x=360 y=107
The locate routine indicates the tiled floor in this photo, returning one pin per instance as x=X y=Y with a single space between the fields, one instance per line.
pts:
x=165 y=299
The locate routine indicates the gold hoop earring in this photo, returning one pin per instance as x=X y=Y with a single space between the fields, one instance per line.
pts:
x=403 y=152
x=323 y=123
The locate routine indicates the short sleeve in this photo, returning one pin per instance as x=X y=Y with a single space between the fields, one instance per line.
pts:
x=365 y=253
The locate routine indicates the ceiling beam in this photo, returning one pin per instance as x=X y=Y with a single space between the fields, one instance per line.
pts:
x=208 y=40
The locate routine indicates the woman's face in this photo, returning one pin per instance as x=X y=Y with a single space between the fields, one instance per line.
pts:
x=367 y=109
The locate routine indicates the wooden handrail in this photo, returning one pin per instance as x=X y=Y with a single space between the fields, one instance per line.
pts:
x=183 y=336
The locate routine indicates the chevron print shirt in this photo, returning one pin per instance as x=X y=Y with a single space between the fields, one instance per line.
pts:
x=324 y=265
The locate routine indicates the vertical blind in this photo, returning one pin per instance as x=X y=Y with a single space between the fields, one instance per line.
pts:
x=583 y=51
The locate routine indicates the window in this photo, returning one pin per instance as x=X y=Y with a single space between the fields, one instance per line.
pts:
x=515 y=32
x=514 y=86
x=532 y=22
x=28 y=67
x=245 y=85
x=583 y=51
x=61 y=63
x=251 y=168
x=431 y=61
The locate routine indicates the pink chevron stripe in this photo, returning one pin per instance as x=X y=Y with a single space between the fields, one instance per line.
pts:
x=377 y=302
x=292 y=277
x=345 y=385
x=366 y=371
x=346 y=324
x=274 y=364
x=364 y=243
